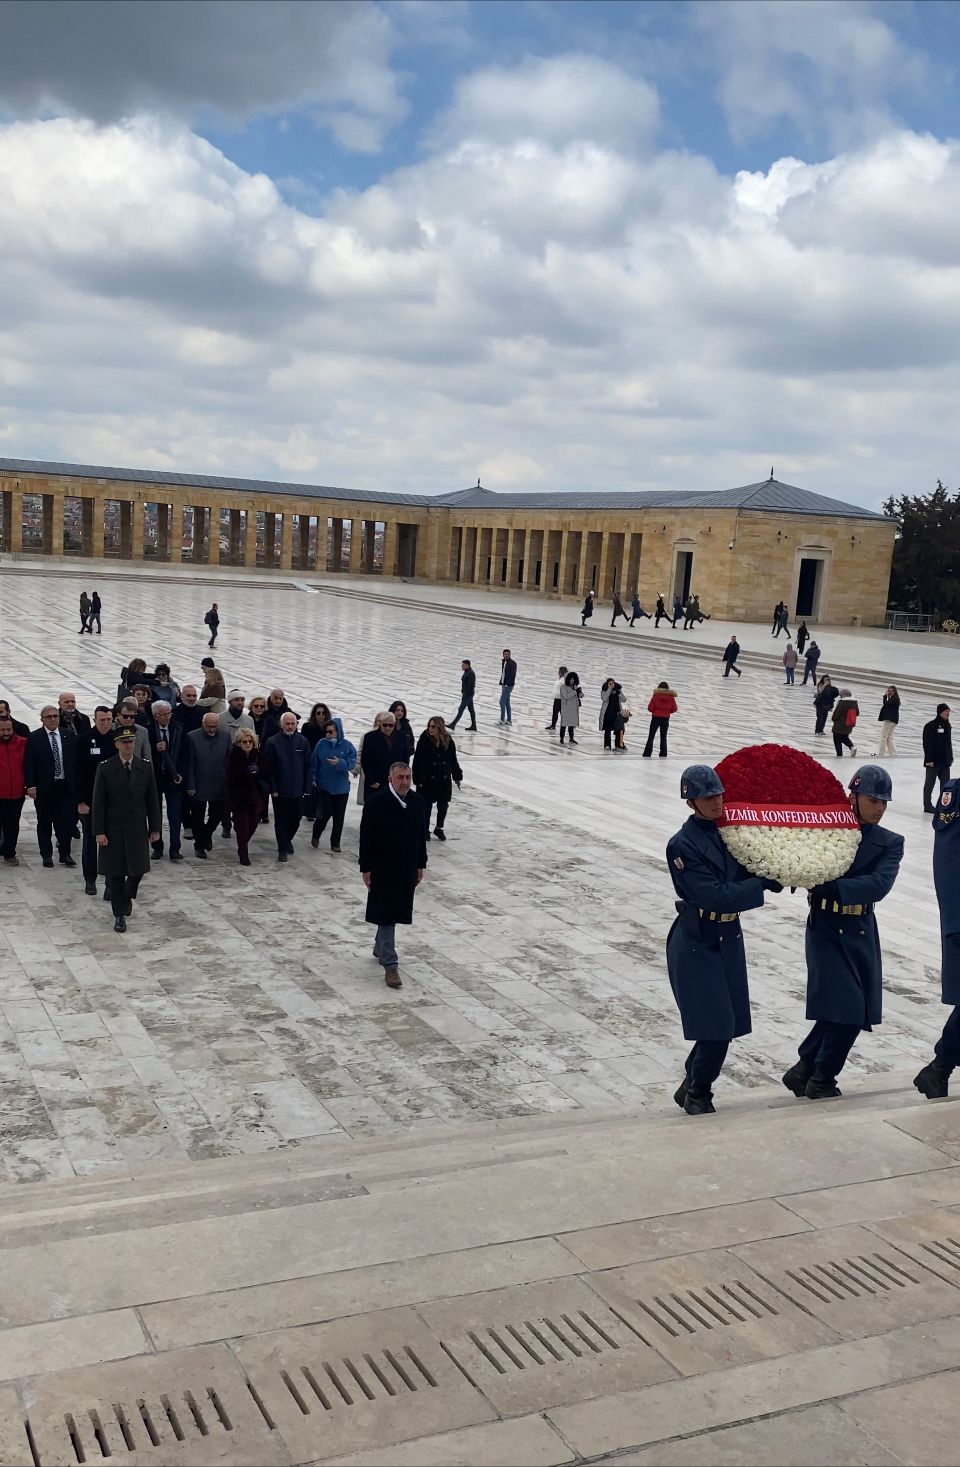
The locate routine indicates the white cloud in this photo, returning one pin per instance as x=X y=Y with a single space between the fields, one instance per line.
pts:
x=560 y=310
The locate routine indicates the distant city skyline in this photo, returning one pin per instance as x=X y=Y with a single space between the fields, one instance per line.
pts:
x=557 y=246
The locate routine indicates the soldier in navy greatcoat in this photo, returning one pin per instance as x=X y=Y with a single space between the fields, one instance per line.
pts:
x=706 y=962
x=934 y=1078
x=844 y=973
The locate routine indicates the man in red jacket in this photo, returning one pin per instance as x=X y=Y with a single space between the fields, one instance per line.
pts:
x=12 y=789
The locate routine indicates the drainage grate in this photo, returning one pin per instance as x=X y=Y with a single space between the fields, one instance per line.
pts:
x=857 y=1282
x=354 y=1383
x=538 y=1345
x=190 y=1407
x=707 y=1308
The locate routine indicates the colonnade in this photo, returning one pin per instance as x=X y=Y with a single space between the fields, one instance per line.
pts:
x=551 y=560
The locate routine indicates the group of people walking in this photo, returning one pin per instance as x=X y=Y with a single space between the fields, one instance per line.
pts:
x=686 y=610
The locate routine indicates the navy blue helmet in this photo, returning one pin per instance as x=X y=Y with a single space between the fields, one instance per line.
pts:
x=872 y=781
x=698 y=782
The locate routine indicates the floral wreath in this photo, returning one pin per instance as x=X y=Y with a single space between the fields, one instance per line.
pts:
x=785 y=816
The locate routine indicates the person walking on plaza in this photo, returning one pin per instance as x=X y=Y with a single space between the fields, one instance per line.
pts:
x=468 y=688
x=92 y=750
x=844 y=969
x=205 y=776
x=96 y=606
x=845 y=714
x=332 y=762
x=660 y=611
x=393 y=859
x=13 y=788
x=677 y=610
x=662 y=707
x=163 y=686
x=557 y=696
x=84 y=612
x=49 y=771
x=212 y=622
x=586 y=611
x=706 y=962
x=778 y=611
x=790 y=661
x=636 y=610
x=508 y=679
x=823 y=700
x=286 y=759
x=233 y=718
x=245 y=790
x=128 y=717
x=617 y=607
x=888 y=720
x=690 y=612
x=569 y=706
x=612 y=720
x=435 y=771
x=810 y=659
x=188 y=713
x=168 y=754
x=937 y=753
x=378 y=750
x=126 y=820
x=404 y=739
x=934 y=1079
x=803 y=636
x=783 y=623
x=729 y=656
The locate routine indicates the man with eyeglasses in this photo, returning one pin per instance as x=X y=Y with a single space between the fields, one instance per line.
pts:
x=92 y=750
x=49 y=772
x=127 y=717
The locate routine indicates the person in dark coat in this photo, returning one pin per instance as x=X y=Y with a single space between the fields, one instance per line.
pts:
x=205 y=776
x=188 y=713
x=810 y=659
x=393 y=858
x=933 y=1080
x=91 y=753
x=286 y=759
x=586 y=611
x=508 y=681
x=823 y=701
x=168 y=753
x=277 y=706
x=212 y=621
x=49 y=769
x=844 y=969
x=843 y=721
x=377 y=752
x=729 y=657
x=677 y=610
x=888 y=719
x=803 y=637
x=84 y=612
x=612 y=721
x=937 y=753
x=636 y=610
x=96 y=606
x=778 y=611
x=245 y=791
x=72 y=721
x=706 y=962
x=468 y=688
x=126 y=818
x=405 y=739
x=435 y=771
x=660 y=612
x=617 y=607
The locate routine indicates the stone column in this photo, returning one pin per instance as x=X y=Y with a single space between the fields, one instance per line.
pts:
x=562 y=577
x=126 y=530
x=13 y=522
x=213 y=534
x=514 y=547
x=235 y=529
x=529 y=561
x=269 y=538
x=250 y=543
x=286 y=541
x=369 y=531
x=136 y=529
x=304 y=542
x=603 y=590
x=477 y=547
x=583 y=569
x=175 y=533
x=336 y=546
x=96 y=527
x=355 y=536
x=390 y=531
x=53 y=524
x=163 y=532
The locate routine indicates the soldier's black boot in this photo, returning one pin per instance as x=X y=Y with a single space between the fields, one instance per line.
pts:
x=698 y=1101
x=681 y=1093
x=819 y=1088
x=796 y=1078
x=933 y=1081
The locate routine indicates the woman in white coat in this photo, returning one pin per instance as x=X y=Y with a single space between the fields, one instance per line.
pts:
x=569 y=707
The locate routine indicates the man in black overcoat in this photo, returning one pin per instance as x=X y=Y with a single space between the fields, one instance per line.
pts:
x=126 y=818
x=393 y=857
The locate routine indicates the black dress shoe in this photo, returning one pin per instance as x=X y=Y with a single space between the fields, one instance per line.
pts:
x=822 y=1089
x=90 y=888
x=48 y=860
x=933 y=1082
x=200 y=852
x=680 y=1094
x=67 y=861
x=796 y=1079
x=176 y=855
x=698 y=1101
x=439 y=834
x=120 y=925
x=106 y=894
x=281 y=855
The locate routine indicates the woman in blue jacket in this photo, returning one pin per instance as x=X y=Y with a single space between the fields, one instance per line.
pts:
x=330 y=765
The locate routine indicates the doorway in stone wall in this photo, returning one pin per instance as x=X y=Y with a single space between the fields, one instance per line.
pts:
x=810 y=586
x=682 y=574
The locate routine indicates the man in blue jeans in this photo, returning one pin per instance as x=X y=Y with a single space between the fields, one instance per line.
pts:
x=508 y=678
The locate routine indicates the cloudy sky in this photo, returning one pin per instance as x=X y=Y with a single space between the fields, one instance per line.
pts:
x=407 y=245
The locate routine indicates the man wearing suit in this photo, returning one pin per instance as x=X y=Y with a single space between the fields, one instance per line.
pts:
x=49 y=771
x=508 y=678
x=393 y=858
x=91 y=749
x=126 y=816
x=168 y=752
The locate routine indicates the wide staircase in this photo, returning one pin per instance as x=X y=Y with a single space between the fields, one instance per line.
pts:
x=779 y=1282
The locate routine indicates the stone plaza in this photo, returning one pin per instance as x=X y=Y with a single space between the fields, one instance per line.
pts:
x=442 y=1170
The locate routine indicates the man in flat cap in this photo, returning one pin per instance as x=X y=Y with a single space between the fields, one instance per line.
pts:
x=126 y=819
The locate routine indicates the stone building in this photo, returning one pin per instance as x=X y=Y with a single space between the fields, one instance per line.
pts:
x=740 y=550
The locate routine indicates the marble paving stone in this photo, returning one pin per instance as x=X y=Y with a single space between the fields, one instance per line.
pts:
x=37 y=1349
x=817 y=1436
x=638 y=1418
x=527 y=1441
x=14 y=1445
x=535 y=966
x=357 y=1383
x=919 y=1421
x=889 y=1197
x=686 y=1232
x=853 y=1280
